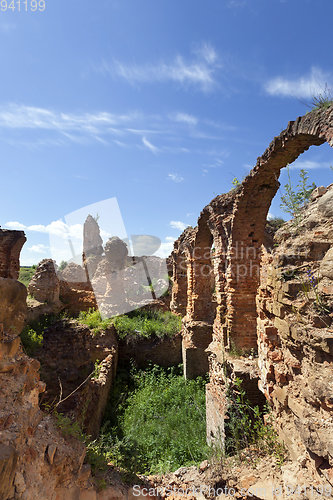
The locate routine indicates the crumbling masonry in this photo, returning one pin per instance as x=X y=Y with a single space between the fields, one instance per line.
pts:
x=228 y=241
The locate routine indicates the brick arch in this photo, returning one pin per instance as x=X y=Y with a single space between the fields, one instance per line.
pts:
x=248 y=220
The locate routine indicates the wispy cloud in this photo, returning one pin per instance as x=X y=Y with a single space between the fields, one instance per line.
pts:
x=207 y=52
x=309 y=165
x=198 y=72
x=178 y=225
x=150 y=146
x=185 y=118
x=7 y=27
x=175 y=178
x=302 y=87
x=177 y=132
x=19 y=116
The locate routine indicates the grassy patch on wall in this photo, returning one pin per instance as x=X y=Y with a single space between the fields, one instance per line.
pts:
x=138 y=323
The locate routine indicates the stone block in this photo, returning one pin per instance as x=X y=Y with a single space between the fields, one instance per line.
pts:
x=282 y=326
x=280 y=394
x=278 y=310
x=316 y=193
x=9 y=347
x=296 y=407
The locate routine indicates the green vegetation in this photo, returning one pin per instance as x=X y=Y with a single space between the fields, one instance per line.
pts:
x=62 y=265
x=247 y=435
x=274 y=224
x=322 y=100
x=138 y=323
x=154 y=422
x=235 y=182
x=294 y=201
x=26 y=273
x=32 y=334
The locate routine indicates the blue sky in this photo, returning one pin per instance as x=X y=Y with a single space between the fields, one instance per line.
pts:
x=154 y=104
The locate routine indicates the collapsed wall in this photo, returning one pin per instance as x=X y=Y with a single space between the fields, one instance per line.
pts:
x=295 y=338
x=36 y=460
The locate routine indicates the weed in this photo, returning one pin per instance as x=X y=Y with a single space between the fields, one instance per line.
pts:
x=322 y=100
x=69 y=427
x=97 y=371
x=235 y=182
x=32 y=334
x=245 y=428
x=294 y=201
x=312 y=285
x=235 y=350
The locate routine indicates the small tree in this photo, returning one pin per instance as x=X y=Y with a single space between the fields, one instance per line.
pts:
x=294 y=201
x=62 y=265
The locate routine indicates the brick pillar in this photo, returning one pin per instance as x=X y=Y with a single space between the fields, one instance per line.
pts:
x=11 y=243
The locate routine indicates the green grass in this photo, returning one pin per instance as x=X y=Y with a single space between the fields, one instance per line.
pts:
x=155 y=422
x=26 y=273
x=32 y=334
x=137 y=323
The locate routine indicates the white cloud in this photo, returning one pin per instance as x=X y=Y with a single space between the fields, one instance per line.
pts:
x=175 y=178
x=56 y=228
x=170 y=238
x=15 y=225
x=198 y=72
x=165 y=249
x=302 y=87
x=150 y=146
x=38 y=248
x=185 y=118
x=178 y=225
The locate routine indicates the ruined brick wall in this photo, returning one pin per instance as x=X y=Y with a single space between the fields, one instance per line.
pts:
x=11 y=243
x=295 y=338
